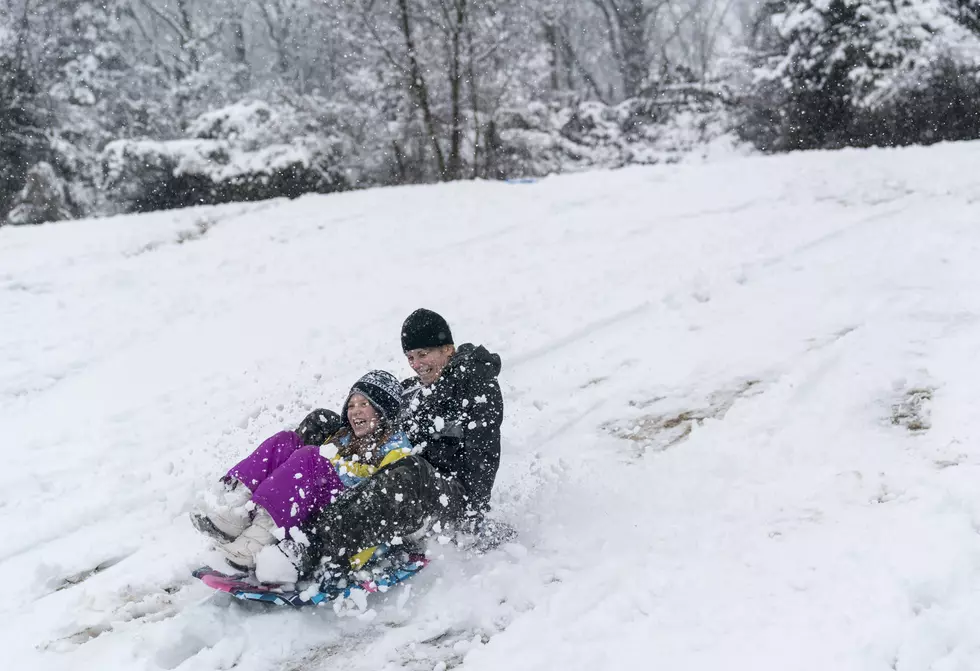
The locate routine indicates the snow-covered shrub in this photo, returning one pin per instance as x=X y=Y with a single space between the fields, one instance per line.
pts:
x=859 y=72
x=251 y=123
x=944 y=107
x=240 y=153
x=550 y=138
x=43 y=198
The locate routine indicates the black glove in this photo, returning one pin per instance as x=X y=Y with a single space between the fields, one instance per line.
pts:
x=319 y=426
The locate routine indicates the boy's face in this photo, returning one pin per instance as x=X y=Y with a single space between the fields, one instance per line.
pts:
x=428 y=362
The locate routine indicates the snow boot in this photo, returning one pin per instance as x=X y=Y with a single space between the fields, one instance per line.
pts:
x=225 y=511
x=484 y=534
x=259 y=534
x=415 y=543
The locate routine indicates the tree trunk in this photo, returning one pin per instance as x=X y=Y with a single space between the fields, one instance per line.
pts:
x=240 y=50
x=551 y=39
x=187 y=38
x=454 y=168
x=23 y=39
x=418 y=89
x=474 y=99
x=626 y=23
x=636 y=58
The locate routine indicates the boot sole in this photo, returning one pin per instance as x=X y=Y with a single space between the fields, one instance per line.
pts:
x=203 y=524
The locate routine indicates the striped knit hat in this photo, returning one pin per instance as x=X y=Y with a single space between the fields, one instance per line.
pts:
x=382 y=390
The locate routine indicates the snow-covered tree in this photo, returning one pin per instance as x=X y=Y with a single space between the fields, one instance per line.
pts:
x=81 y=61
x=829 y=64
x=43 y=198
x=23 y=119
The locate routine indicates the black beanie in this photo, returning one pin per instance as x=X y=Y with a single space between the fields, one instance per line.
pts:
x=424 y=328
x=383 y=391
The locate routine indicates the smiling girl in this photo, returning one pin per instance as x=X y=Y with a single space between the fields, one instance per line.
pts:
x=271 y=492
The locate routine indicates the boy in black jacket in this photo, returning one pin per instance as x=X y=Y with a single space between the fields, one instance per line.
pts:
x=454 y=408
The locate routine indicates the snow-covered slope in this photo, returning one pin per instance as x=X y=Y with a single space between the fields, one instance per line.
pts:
x=741 y=426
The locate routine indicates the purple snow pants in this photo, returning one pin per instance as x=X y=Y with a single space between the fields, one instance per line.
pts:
x=289 y=480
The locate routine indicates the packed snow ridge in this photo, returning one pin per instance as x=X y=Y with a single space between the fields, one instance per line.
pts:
x=740 y=433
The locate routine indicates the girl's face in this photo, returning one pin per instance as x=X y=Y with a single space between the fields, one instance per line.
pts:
x=364 y=419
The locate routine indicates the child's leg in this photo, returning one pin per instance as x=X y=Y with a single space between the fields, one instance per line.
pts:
x=300 y=487
x=259 y=534
x=266 y=458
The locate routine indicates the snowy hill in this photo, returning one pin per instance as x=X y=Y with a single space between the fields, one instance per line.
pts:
x=741 y=427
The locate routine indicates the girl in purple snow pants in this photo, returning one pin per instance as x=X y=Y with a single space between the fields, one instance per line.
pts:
x=285 y=480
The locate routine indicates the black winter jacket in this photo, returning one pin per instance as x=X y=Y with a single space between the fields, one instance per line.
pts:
x=456 y=422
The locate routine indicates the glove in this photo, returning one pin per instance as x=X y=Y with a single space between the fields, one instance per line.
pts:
x=319 y=426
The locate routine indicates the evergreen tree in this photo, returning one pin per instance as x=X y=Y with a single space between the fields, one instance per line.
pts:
x=831 y=65
x=23 y=122
x=84 y=68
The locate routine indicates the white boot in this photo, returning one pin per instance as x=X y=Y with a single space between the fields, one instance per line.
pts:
x=224 y=508
x=256 y=536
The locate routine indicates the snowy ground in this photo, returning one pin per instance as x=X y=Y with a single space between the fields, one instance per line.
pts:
x=740 y=428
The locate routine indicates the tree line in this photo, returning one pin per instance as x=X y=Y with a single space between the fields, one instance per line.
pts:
x=133 y=105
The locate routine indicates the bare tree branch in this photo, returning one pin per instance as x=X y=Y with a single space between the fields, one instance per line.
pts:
x=379 y=41
x=169 y=21
x=584 y=71
x=418 y=87
x=613 y=28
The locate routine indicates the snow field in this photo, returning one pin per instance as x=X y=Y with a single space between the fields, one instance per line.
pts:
x=739 y=426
